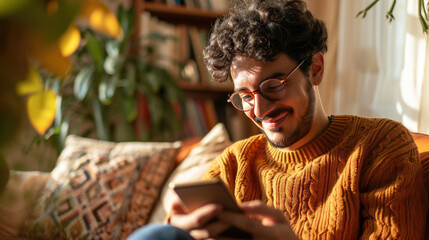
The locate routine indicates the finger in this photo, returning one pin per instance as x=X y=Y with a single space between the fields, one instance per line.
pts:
x=241 y=221
x=212 y=229
x=199 y=234
x=259 y=210
x=206 y=213
x=217 y=227
x=177 y=207
x=196 y=219
x=256 y=228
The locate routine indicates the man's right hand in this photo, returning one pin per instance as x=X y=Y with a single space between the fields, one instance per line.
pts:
x=200 y=223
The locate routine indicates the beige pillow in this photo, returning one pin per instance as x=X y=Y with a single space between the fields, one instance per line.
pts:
x=192 y=167
x=101 y=190
x=18 y=199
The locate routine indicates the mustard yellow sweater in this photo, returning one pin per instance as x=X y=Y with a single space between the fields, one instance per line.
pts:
x=360 y=179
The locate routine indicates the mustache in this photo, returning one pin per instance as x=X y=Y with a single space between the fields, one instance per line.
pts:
x=273 y=114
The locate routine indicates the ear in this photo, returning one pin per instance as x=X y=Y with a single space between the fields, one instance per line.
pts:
x=316 y=69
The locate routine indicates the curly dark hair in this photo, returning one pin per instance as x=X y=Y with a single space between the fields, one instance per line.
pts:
x=261 y=30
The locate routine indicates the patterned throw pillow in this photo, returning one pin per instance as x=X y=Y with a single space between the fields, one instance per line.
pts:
x=101 y=190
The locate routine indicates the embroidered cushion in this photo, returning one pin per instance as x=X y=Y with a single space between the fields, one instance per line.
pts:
x=101 y=190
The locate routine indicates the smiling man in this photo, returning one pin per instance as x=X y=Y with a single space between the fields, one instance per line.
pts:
x=286 y=121
x=308 y=175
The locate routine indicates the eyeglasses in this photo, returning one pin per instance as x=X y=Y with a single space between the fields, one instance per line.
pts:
x=270 y=89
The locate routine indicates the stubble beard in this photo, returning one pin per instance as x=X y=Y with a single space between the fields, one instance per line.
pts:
x=304 y=125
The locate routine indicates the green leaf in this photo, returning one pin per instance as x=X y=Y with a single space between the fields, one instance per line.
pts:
x=112 y=48
x=100 y=121
x=156 y=108
x=111 y=64
x=129 y=107
x=64 y=130
x=95 y=49
x=83 y=82
x=126 y=18
x=124 y=131
x=154 y=79
x=130 y=80
x=107 y=88
x=58 y=112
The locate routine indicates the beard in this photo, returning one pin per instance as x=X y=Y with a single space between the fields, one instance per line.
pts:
x=304 y=123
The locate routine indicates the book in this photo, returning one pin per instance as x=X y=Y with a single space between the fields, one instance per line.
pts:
x=219 y=5
x=210 y=113
x=197 y=48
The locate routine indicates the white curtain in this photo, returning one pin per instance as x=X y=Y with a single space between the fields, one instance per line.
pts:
x=381 y=65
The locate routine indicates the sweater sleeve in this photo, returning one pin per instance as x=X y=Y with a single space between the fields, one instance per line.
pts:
x=392 y=192
x=225 y=166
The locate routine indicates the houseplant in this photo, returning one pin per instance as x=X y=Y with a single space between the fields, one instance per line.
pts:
x=104 y=44
x=115 y=92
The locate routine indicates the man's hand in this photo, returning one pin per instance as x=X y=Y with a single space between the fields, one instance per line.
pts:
x=261 y=221
x=200 y=222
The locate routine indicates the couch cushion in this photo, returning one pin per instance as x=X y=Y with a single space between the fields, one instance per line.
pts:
x=18 y=199
x=101 y=190
x=192 y=167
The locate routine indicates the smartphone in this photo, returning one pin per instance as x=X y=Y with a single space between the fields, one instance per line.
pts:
x=197 y=194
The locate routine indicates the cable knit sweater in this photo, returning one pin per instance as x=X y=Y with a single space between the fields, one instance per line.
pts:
x=361 y=178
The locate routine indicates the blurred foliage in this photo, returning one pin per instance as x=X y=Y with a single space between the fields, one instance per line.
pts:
x=73 y=67
x=103 y=96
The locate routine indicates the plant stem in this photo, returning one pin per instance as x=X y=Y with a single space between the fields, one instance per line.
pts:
x=389 y=14
x=423 y=17
x=365 y=11
x=100 y=123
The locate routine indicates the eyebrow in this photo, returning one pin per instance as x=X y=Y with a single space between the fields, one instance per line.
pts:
x=276 y=75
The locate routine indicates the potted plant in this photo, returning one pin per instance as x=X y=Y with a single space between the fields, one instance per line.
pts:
x=116 y=93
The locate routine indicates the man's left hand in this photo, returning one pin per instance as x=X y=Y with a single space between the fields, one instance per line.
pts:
x=261 y=221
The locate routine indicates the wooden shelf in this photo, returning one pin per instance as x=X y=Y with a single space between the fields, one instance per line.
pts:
x=199 y=90
x=204 y=98
x=182 y=15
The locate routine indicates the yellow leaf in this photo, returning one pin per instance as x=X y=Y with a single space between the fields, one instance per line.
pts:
x=49 y=56
x=101 y=19
x=41 y=109
x=69 y=41
x=31 y=84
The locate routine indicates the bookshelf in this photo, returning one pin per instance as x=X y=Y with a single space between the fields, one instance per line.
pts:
x=207 y=101
x=180 y=14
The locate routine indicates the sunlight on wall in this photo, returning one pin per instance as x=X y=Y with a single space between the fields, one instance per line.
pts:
x=381 y=65
x=413 y=70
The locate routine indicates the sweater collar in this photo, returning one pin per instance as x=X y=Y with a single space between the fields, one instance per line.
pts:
x=319 y=146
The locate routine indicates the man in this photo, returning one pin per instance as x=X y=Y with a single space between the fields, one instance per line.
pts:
x=308 y=176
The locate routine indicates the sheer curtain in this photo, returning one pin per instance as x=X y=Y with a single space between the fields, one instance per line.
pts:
x=381 y=66
x=328 y=13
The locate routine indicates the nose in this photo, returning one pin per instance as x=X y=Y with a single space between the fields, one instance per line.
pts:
x=262 y=105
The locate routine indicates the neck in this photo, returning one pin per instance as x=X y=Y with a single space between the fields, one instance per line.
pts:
x=320 y=123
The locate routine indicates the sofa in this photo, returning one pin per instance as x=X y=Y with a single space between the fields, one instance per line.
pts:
x=106 y=190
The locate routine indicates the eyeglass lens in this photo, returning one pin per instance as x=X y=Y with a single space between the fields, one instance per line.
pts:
x=271 y=89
